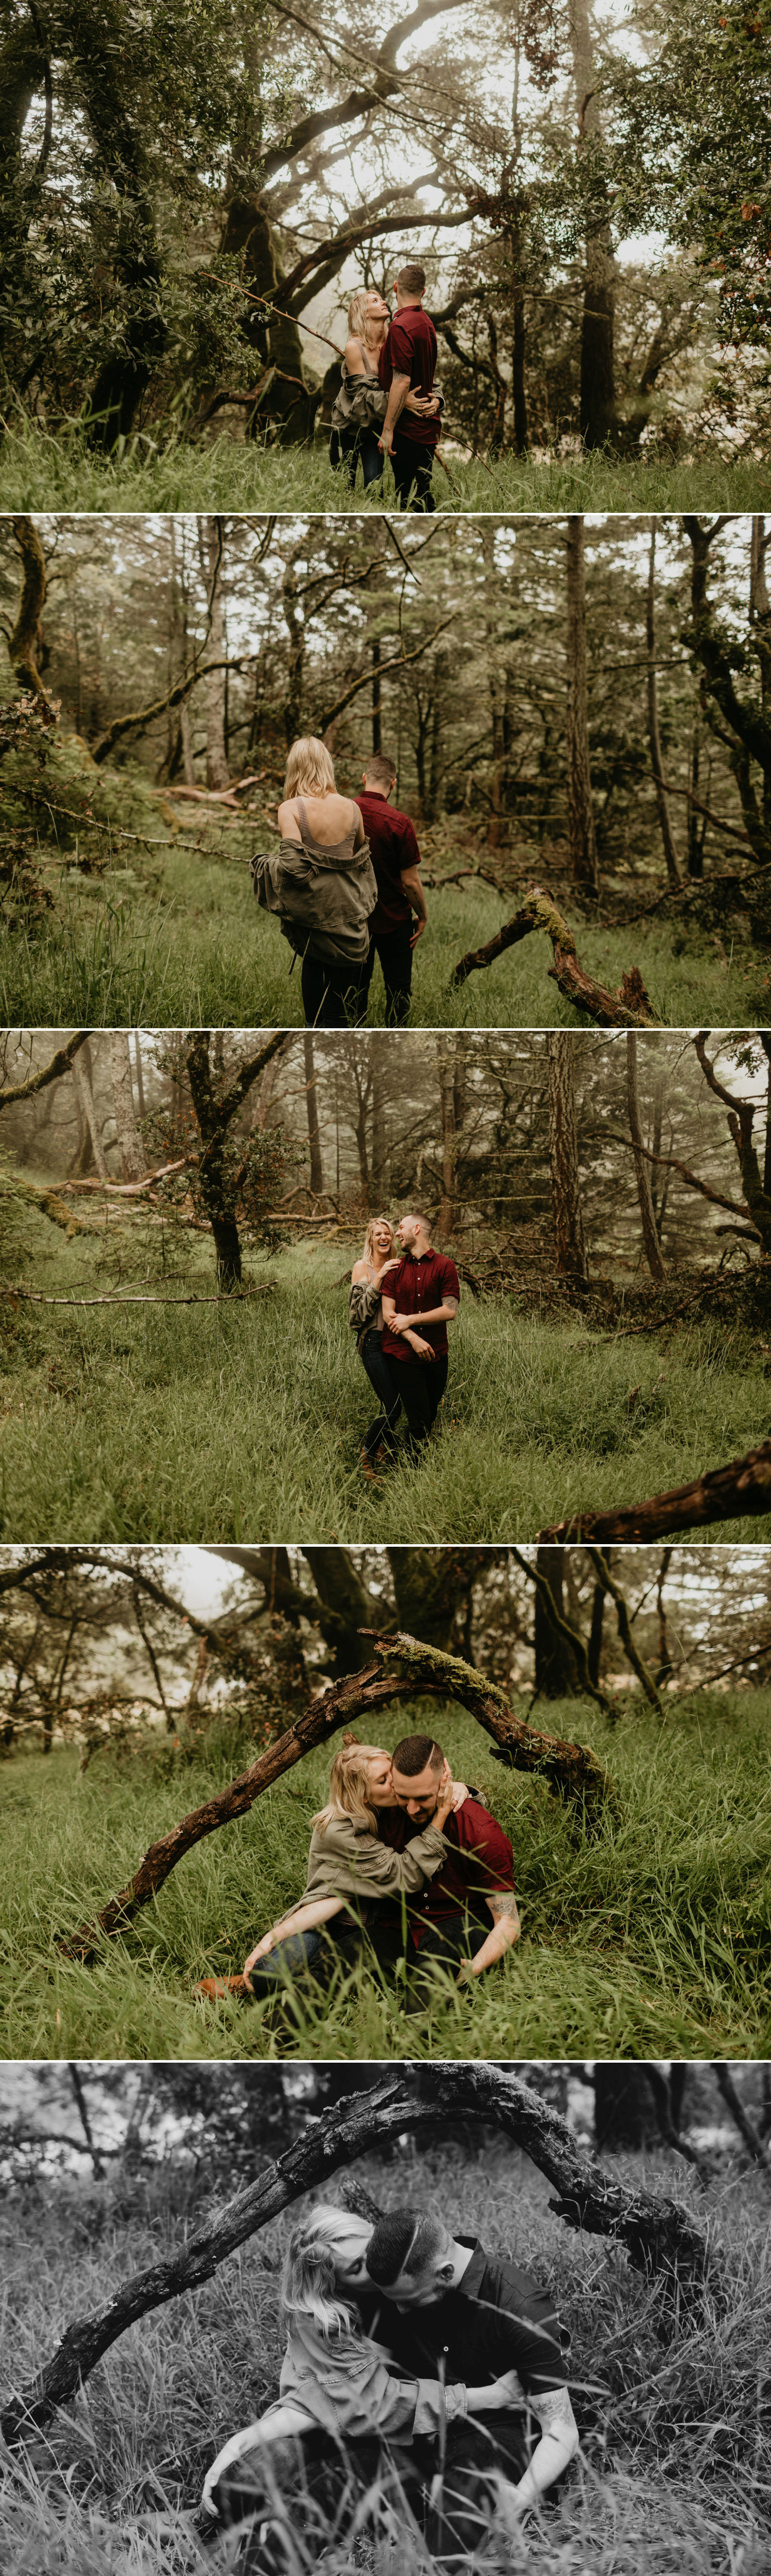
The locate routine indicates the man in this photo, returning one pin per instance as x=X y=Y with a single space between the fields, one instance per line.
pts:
x=406 y=364
x=454 y=2309
x=395 y=857
x=449 y=1921
x=423 y=1297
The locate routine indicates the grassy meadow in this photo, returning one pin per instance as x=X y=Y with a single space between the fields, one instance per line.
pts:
x=244 y=1419
x=159 y=469
x=653 y=1940
x=171 y=936
x=673 y=2475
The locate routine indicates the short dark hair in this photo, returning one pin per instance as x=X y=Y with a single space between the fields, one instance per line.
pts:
x=410 y=1757
x=403 y=2240
x=381 y=768
x=412 y=279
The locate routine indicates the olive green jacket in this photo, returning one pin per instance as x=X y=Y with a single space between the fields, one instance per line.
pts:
x=348 y=1860
x=323 y=901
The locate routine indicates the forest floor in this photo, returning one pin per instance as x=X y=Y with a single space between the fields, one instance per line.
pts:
x=673 y=2474
x=235 y=1419
x=157 y=470
x=651 y=1940
x=168 y=936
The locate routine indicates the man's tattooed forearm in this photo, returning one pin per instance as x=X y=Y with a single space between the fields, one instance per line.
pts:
x=503 y=1903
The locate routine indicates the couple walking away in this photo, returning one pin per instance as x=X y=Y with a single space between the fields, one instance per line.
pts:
x=389 y=402
x=424 y=2389
x=399 y=1309
x=407 y=1868
x=345 y=884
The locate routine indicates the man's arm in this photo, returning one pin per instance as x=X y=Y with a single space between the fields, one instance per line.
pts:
x=506 y=1930
x=434 y=1315
x=415 y=894
x=396 y=401
x=558 y=2445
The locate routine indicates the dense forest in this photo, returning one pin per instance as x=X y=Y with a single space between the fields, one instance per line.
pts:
x=118 y=2179
x=189 y=200
x=577 y=705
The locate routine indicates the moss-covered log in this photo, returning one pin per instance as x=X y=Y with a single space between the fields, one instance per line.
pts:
x=629 y=1008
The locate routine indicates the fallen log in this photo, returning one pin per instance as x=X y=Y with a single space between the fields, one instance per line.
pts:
x=629 y=1008
x=571 y=1770
x=724 y=1494
x=659 y=2234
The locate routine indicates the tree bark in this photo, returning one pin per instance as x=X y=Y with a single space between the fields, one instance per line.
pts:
x=214 y=1118
x=584 y=865
x=59 y=1063
x=314 y=1135
x=572 y=1770
x=217 y=764
x=642 y=1172
x=345 y=1606
x=602 y=1568
x=555 y=1671
x=452 y=1068
x=629 y=1008
x=132 y=1156
x=24 y=641
x=674 y=875
x=658 y=2233
x=740 y=1490
x=597 y=398
x=433 y=1589
x=563 y=1160
x=624 y=2113
x=81 y=1075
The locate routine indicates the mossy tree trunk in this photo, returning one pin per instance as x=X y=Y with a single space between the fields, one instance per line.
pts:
x=584 y=864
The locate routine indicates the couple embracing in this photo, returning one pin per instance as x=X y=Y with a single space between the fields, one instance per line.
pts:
x=403 y=1296
x=346 y=886
x=423 y=2385
x=389 y=404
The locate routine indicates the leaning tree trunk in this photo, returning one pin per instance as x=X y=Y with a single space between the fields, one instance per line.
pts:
x=132 y=1156
x=584 y=864
x=742 y=1489
x=658 y=2234
x=555 y=1671
x=563 y=1160
x=674 y=875
x=571 y=1770
x=641 y=1166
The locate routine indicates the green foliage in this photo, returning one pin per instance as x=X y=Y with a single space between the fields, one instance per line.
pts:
x=690 y=150
x=653 y=1941
x=234 y=1421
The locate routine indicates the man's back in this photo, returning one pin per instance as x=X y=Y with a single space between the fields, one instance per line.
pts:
x=392 y=847
x=410 y=350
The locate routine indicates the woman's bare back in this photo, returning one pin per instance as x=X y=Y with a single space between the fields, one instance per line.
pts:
x=330 y=819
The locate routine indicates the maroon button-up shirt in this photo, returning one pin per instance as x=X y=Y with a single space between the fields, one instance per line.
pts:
x=419 y=1284
x=392 y=847
x=480 y=1860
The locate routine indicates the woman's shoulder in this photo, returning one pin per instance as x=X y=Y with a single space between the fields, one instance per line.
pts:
x=339 y=1835
x=359 y=1272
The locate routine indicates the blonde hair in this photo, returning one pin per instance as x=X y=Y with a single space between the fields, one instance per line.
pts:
x=308 y=2280
x=349 y=1787
x=309 y=769
x=376 y=1220
x=357 y=312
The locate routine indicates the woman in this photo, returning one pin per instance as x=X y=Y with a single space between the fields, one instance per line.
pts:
x=365 y=1316
x=360 y=407
x=349 y=1870
x=322 y=884
x=336 y=2390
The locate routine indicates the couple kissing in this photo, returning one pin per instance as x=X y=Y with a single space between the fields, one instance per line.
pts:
x=389 y=403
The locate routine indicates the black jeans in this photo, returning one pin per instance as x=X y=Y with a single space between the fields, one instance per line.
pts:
x=351 y=446
x=313 y=2488
x=421 y=1385
x=412 y=463
x=334 y=997
x=382 y=1432
x=394 y=949
x=447 y=1942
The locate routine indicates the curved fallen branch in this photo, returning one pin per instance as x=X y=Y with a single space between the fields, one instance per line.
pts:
x=629 y=1008
x=659 y=2234
x=724 y=1494
x=571 y=1770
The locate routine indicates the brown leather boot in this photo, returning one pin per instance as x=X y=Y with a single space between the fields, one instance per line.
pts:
x=215 y=1988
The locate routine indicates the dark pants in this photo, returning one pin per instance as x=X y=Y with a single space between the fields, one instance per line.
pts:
x=353 y=446
x=394 y=949
x=334 y=997
x=381 y=1434
x=444 y=1943
x=320 y=1951
x=314 y=2489
x=421 y=1385
x=412 y=463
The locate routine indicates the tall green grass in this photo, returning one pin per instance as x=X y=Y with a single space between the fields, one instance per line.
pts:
x=244 y=1420
x=187 y=946
x=653 y=1940
x=673 y=2474
x=55 y=470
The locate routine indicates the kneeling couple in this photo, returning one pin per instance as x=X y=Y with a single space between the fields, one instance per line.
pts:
x=415 y=2361
x=404 y=1861
x=399 y=1310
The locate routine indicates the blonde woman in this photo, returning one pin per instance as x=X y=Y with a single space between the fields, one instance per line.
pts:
x=349 y=1870
x=365 y=1316
x=337 y=2399
x=321 y=882
x=360 y=407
